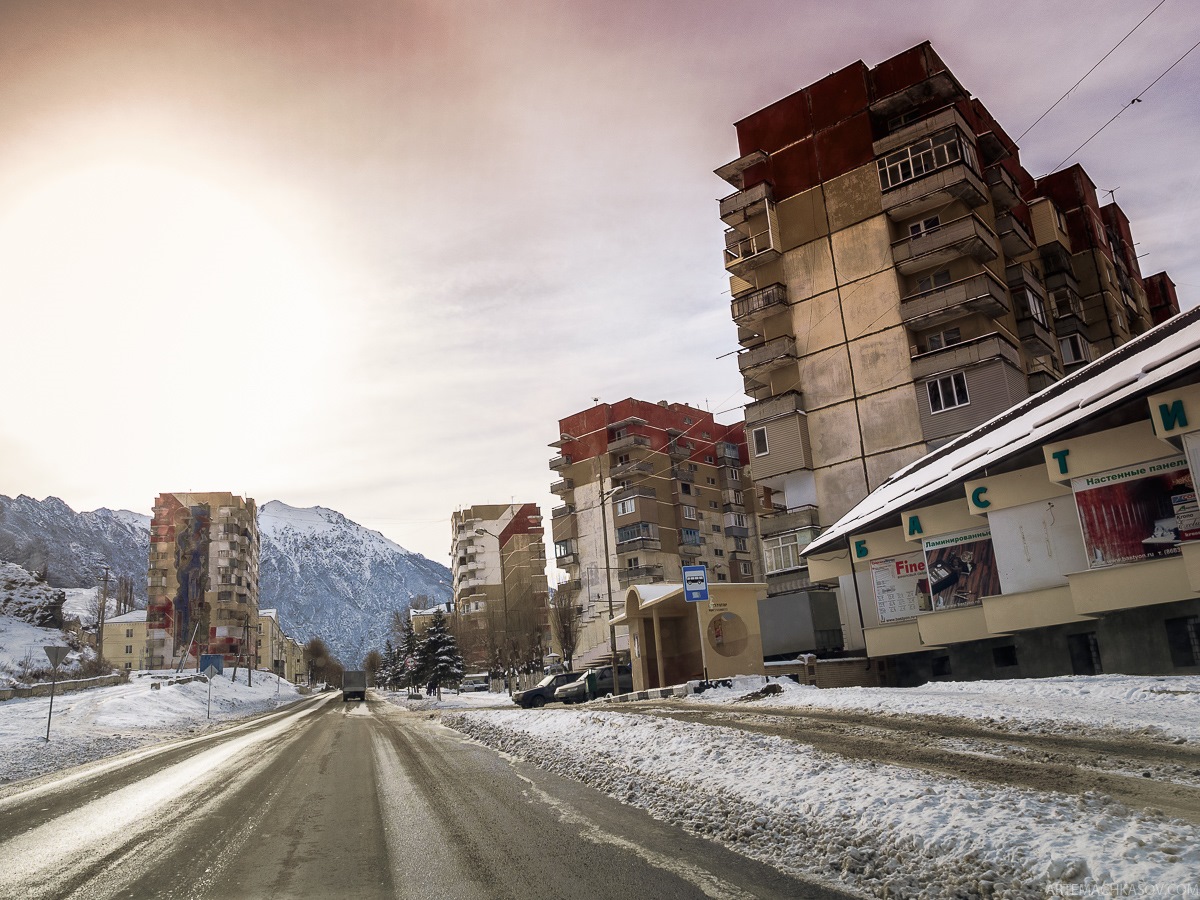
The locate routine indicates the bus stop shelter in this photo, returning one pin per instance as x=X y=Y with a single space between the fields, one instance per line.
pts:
x=672 y=641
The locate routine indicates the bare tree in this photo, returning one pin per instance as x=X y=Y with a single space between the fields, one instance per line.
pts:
x=420 y=601
x=564 y=620
x=372 y=663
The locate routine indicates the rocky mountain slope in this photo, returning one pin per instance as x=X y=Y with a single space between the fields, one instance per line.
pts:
x=327 y=576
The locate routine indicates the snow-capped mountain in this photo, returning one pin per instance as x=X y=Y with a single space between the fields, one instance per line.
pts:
x=73 y=547
x=330 y=576
x=327 y=576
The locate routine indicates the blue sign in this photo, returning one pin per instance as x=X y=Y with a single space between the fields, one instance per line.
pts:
x=695 y=583
x=216 y=660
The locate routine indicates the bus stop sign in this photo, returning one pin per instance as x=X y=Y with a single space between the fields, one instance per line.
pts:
x=695 y=584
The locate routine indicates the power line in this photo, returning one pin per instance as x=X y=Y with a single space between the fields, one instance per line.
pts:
x=1137 y=99
x=1090 y=71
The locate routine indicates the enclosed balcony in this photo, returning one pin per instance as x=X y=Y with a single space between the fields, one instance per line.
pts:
x=982 y=293
x=690 y=550
x=939 y=188
x=639 y=544
x=744 y=205
x=773 y=407
x=1014 y=237
x=965 y=236
x=783 y=521
x=1005 y=193
x=759 y=361
x=560 y=512
x=966 y=353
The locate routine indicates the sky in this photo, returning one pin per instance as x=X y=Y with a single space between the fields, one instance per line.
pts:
x=366 y=255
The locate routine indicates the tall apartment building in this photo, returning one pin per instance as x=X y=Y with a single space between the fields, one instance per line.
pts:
x=899 y=278
x=499 y=583
x=202 y=579
x=647 y=488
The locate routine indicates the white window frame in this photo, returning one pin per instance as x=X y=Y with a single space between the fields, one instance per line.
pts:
x=952 y=388
x=689 y=512
x=940 y=340
x=946 y=148
x=1080 y=350
x=781 y=553
x=747 y=569
x=625 y=507
x=924 y=226
x=755 y=435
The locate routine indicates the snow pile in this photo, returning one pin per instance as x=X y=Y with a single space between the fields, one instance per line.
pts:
x=884 y=830
x=450 y=700
x=1167 y=706
x=91 y=724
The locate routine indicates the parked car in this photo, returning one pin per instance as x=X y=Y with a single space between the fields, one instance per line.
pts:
x=543 y=692
x=596 y=683
x=478 y=681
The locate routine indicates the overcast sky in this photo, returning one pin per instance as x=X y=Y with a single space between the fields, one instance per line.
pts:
x=364 y=255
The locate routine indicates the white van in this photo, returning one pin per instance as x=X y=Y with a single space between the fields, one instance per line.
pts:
x=477 y=681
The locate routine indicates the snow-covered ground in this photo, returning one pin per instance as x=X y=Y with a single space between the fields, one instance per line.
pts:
x=1168 y=705
x=885 y=830
x=88 y=725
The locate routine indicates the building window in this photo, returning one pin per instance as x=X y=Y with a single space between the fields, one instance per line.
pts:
x=635 y=532
x=1074 y=349
x=685 y=487
x=128 y=649
x=1004 y=657
x=710 y=459
x=563 y=548
x=781 y=553
x=691 y=537
x=938 y=279
x=925 y=226
x=739 y=543
x=718 y=552
x=721 y=576
x=948 y=392
x=716 y=529
x=622 y=459
x=1183 y=639
x=738 y=498
x=759 y=436
x=631 y=563
x=713 y=504
x=942 y=339
x=746 y=569
x=933 y=153
x=624 y=507
x=689 y=512
x=711 y=480
x=1030 y=305
x=128 y=632
x=129 y=665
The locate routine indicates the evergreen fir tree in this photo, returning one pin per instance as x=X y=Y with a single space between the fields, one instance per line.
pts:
x=408 y=654
x=441 y=662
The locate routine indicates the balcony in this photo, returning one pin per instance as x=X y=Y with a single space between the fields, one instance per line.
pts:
x=690 y=550
x=743 y=205
x=632 y=493
x=982 y=293
x=737 y=531
x=639 y=544
x=763 y=359
x=625 y=443
x=782 y=521
x=639 y=575
x=735 y=172
x=560 y=512
x=1014 y=237
x=567 y=559
x=680 y=451
x=683 y=475
x=634 y=467
x=563 y=487
x=750 y=309
x=773 y=407
x=1035 y=337
x=558 y=463
x=939 y=188
x=745 y=252
x=967 y=353
x=965 y=236
x=1005 y=193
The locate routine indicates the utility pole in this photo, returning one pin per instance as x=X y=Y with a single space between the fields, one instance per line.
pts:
x=612 y=629
x=103 y=606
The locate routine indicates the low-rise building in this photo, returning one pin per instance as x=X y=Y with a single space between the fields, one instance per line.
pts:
x=125 y=640
x=1062 y=537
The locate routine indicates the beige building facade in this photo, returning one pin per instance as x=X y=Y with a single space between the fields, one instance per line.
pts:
x=125 y=640
x=897 y=279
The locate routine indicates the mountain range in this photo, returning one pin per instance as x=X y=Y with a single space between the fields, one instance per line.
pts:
x=328 y=576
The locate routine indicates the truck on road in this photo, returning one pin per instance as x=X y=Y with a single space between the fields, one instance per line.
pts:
x=354 y=686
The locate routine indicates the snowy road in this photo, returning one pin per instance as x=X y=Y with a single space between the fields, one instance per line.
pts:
x=368 y=800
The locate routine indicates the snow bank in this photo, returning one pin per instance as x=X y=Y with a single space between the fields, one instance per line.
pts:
x=880 y=829
x=1166 y=705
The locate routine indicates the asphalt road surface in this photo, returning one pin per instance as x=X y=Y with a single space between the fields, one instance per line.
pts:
x=360 y=800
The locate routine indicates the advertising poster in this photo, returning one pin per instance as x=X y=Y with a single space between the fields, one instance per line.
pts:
x=901 y=588
x=1138 y=512
x=961 y=568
